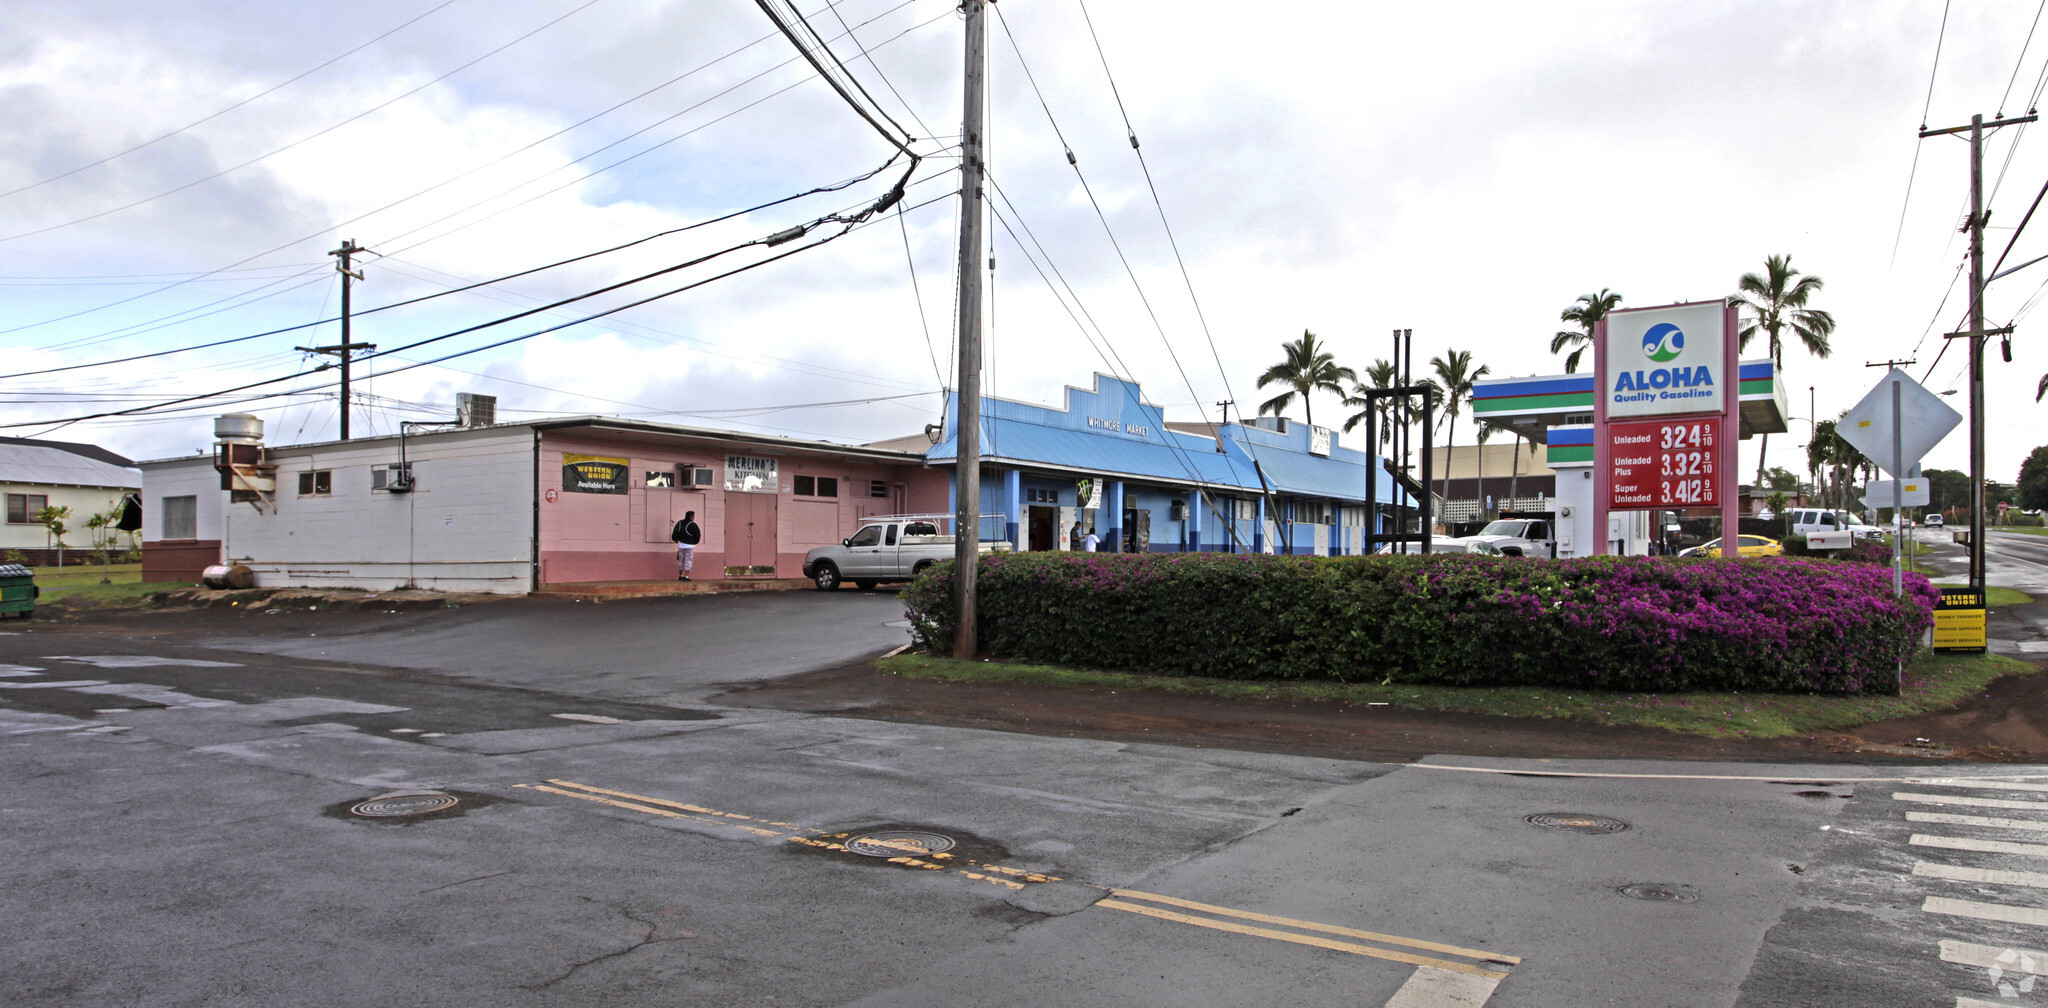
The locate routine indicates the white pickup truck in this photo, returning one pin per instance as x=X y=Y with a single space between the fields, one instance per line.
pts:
x=887 y=548
x=1523 y=537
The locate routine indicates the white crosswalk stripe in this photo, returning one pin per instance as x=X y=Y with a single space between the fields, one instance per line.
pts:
x=1955 y=819
x=1986 y=911
x=1986 y=846
x=2004 y=803
x=1961 y=873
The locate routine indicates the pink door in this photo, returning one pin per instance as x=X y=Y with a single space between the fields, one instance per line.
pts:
x=750 y=540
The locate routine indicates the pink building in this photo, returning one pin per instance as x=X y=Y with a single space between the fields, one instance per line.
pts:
x=518 y=507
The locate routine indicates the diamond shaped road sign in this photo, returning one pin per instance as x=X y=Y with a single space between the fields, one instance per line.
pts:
x=1922 y=421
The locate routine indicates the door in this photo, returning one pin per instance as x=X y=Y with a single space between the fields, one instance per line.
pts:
x=750 y=540
x=1044 y=531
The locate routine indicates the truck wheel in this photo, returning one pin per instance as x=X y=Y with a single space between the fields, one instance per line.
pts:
x=919 y=569
x=865 y=585
x=826 y=577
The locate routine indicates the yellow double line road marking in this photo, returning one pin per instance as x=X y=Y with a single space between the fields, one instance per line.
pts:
x=1491 y=958
x=994 y=874
x=1486 y=968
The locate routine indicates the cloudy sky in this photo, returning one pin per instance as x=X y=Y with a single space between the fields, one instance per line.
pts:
x=175 y=173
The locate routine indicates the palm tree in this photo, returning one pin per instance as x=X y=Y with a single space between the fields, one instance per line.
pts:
x=1381 y=375
x=1307 y=368
x=1486 y=431
x=1454 y=377
x=1585 y=313
x=1777 y=302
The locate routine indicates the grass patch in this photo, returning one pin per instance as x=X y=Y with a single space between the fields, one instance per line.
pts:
x=86 y=573
x=2033 y=530
x=132 y=594
x=1933 y=682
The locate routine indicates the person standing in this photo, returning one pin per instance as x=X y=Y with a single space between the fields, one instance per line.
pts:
x=1090 y=541
x=1074 y=537
x=686 y=535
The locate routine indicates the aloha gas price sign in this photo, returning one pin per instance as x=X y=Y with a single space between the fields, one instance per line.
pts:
x=1663 y=464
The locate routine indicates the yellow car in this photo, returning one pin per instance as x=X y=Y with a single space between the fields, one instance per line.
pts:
x=1749 y=546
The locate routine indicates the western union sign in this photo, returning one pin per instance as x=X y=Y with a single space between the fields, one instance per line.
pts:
x=1959 y=620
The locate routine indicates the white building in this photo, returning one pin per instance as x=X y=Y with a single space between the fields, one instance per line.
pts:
x=38 y=474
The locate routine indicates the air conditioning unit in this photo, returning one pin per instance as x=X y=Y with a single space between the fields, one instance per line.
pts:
x=692 y=476
x=474 y=410
x=395 y=478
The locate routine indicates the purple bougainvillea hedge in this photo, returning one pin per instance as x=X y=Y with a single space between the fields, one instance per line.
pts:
x=1623 y=623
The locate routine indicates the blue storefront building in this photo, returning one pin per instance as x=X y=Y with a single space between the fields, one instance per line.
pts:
x=1108 y=461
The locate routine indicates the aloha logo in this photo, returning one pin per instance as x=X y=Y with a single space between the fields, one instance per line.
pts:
x=1663 y=342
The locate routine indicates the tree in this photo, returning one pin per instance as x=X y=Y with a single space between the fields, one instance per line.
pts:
x=1454 y=376
x=1486 y=431
x=1776 y=302
x=1387 y=412
x=103 y=535
x=1779 y=478
x=1947 y=488
x=53 y=518
x=2033 y=486
x=1586 y=313
x=1306 y=369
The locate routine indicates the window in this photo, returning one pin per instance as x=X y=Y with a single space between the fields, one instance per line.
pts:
x=878 y=488
x=891 y=539
x=659 y=480
x=869 y=536
x=181 y=517
x=817 y=486
x=1041 y=496
x=22 y=508
x=1354 y=516
x=1312 y=512
x=316 y=483
x=1237 y=508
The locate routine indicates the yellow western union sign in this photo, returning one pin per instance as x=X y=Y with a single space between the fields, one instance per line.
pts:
x=1959 y=620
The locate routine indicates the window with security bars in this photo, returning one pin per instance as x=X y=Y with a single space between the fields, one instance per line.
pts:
x=1036 y=496
x=1312 y=512
x=878 y=488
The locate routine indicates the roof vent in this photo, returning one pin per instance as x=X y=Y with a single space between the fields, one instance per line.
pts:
x=238 y=428
x=473 y=410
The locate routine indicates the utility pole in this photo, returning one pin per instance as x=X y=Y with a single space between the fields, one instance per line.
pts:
x=348 y=277
x=1976 y=332
x=967 y=420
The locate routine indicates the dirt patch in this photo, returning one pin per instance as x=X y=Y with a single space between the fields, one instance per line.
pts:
x=1997 y=726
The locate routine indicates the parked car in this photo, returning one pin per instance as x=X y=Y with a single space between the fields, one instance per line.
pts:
x=1749 y=546
x=886 y=548
x=1931 y=521
x=1528 y=537
x=1447 y=544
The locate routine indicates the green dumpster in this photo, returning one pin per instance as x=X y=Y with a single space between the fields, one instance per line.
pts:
x=17 y=590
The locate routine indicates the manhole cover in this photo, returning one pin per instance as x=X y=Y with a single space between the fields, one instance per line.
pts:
x=899 y=843
x=1656 y=893
x=411 y=803
x=1576 y=822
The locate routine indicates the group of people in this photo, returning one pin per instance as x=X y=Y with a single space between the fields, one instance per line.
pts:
x=1085 y=543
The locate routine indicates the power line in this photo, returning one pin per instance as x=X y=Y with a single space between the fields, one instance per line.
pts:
x=206 y=119
x=126 y=206
x=900 y=138
x=482 y=283
x=779 y=238
x=1927 y=107
x=392 y=240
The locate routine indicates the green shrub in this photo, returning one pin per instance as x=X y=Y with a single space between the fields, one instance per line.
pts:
x=1638 y=623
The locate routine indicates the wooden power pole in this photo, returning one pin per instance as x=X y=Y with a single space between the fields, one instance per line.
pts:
x=967 y=419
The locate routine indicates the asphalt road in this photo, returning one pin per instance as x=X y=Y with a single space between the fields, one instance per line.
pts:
x=177 y=831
